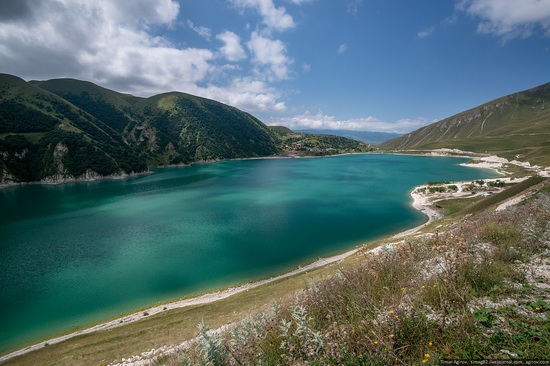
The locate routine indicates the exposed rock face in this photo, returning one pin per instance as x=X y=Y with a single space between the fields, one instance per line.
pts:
x=58 y=154
x=6 y=178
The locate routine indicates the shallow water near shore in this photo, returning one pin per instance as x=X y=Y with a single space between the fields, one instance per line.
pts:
x=77 y=253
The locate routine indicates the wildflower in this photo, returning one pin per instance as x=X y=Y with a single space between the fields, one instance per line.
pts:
x=397 y=317
x=423 y=286
x=435 y=286
x=424 y=361
x=430 y=343
x=391 y=311
x=375 y=342
x=537 y=309
x=392 y=335
x=426 y=355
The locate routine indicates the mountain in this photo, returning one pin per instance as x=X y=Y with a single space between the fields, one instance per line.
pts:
x=303 y=143
x=516 y=126
x=171 y=128
x=368 y=137
x=66 y=129
x=44 y=137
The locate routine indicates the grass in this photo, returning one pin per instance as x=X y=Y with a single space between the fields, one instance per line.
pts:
x=502 y=196
x=426 y=297
x=33 y=137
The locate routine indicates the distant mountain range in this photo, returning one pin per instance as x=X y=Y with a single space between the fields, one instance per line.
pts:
x=64 y=129
x=516 y=126
x=369 y=137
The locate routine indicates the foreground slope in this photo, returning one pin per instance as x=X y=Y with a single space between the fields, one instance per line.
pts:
x=516 y=126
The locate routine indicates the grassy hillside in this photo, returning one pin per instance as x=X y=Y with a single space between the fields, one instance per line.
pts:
x=302 y=143
x=515 y=127
x=38 y=129
x=195 y=128
x=368 y=137
x=66 y=128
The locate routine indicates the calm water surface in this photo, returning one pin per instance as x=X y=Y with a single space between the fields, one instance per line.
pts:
x=77 y=253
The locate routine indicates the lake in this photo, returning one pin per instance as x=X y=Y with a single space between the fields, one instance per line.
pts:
x=78 y=253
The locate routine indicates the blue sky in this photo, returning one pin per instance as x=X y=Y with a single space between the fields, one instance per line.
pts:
x=378 y=65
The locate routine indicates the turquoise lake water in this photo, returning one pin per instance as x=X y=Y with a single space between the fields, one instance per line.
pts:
x=77 y=253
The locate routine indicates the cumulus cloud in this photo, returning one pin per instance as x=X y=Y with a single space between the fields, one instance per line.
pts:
x=232 y=49
x=325 y=122
x=113 y=44
x=509 y=18
x=272 y=17
x=247 y=94
x=270 y=57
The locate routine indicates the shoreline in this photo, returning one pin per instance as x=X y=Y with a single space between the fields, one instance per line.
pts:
x=420 y=203
x=196 y=300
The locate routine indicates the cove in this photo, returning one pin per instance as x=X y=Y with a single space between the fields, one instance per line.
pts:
x=78 y=253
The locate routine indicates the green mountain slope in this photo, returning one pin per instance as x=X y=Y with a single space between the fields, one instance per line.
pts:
x=171 y=128
x=516 y=126
x=190 y=128
x=303 y=143
x=44 y=137
x=64 y=129
x=368 y=137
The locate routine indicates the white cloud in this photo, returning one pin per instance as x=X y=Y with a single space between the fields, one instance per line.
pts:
x=232 y=49
x=426 y=33
x=202 y=31
x=321 y=121
x=247 y=94
x=113 y=44
x=270 y=58
x=342 y=48
x=509 y=18
x=274 y=18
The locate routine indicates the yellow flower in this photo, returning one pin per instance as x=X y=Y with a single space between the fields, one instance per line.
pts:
x=430 y=343
x=391 y=335
x=375 y=342
x=403 y=288
x=391 y=311
x=537 y=309
x=423 y=286
x=427 y=355
x=397 y=317
x=435 y=285
x=424 y=361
